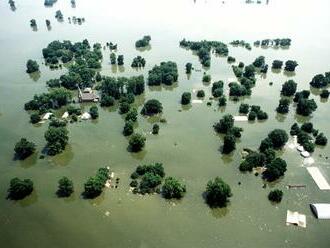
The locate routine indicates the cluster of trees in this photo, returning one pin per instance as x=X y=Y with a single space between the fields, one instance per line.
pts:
x=217 y=193
x=111 y=46
x=217 y=88
x=305 y=135
x=24 y=148
x=241 y=43
x=57 y=138
x=276 y=139
x=231 y=59
x=32 y=66
x=290 y=65
x=254 y=112
x=172 y=188
x=19 y=189
x=204 y=48
x=155 y=129
x=285 y=42
x=166 y=73
x=257 y=159
x=305 y=106
x=275 y=195
x=150 y=177
x=289 y=88
x=138 y=62
x=136 y=142
x=246 y=78
x=320 y=80
x=283 y=106
x=59 y=15
x=226 y=126
x=152 y=107
x=94 y=185
x=145 y=41
x=46 y=101
x=277 y=64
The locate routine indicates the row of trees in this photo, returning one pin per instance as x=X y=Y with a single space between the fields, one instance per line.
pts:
x=166 y=73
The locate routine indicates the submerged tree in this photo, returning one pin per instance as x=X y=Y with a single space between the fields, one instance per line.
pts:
x=172 y=188
x=217 y=193
x=32 y=66
x=186 y=98
x=290 y=65
x=65 y=187
x=275 y=195
x=152 y=107
x=229 y=144
x=19 y=189
x=24 y=148
x=137 y=142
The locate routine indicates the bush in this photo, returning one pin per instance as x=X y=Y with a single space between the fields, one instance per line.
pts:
x=295 y=129
x=278 y=138
x=32 y=66
x=128 y=128
x=94 y=112
x=265 y=144
x=132 y=115
x=35 y=118
x=261 y=115
x=290 y=65
x=166 y=73
x=186 y=98
x=277 y=64
x=152 y=107
x=19 y=189
x=65 y=187
x=289 y=88
x=149 y=182
x=229 y=144
x=217 y=193
x=200 y=93
x=143 y=42
x=107 y=101
x=137 y=142
x=225 y=124
x=124 y=107
x=222 y=101
x=324 y=94
x=307 y=127
x=172 y=188
x=283 y=107
x=231 y=59
x=306 y=107
x=254 y=159
x=94 y=185
x=206 y=78
x=188 y=68
x=275 y=195
x=321 y=140
x=155 y=129
x=275 y=169
x=134 y=183
x=244 y=108
x=252 y=116
x=24 y=148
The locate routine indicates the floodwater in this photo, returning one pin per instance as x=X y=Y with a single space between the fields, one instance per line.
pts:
x=186 y=145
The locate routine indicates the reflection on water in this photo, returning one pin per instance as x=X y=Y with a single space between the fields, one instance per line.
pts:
x=29 y=200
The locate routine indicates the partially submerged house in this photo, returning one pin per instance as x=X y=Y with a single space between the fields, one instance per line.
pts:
x=87 y=95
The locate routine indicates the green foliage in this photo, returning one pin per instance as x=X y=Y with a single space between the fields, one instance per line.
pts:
x=113 y=58
x=186 y=98
x=132 y=115
x=137 y=142
x=19 y=189
x=283 y=106
x=238 y=90
x=217 y=88
x=290 y=65
x=143 y=42
x=278 y=138
x=24 y=148
x=231 y=59
x=324 y=94
x=57 y=138
x=35 y=118
x=306 y=107
x=94 y=112
x=53 y=83
x=275 y=195
x=320 y=80
x=65 y=187
x=252 y=160
x=277 y=64
x=259 y=62
x=188 y=68
x=55 y=122
x=155 y=129
x=252 y=116
x=206 y=78
x=289 y=88
x=261 y=115
x=225 y=124
x=149 y=182
x=307 y=127
x=200 y=93
x=238 y=71
x=321 y=140
x=120 y=60
x=265 y=144
x=244 y=108
x=295 y=129
x=152 y=107
x=275 y=169
x=229 y=144
x=222 y=101
x=172 y=188
x=128 y=128
x=304 y=94
x=166 y=73
x=94 y=185
x=138 y=62
x=73 y=110
x=124 y=107
x=107 y=101
x=217 y=193
x=32 y=66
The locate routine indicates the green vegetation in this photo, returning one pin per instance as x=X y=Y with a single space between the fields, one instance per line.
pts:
x=283 y=106
x=94 y=112
x=138 y=62
x=289 y=88
x=57 y=139
x=321 y=140
x=94 y=185
x=285 y=42
x=217 y=193
x=19 y=189
x=155 y=129
x=304 y=94
x=278 y=138
x=306 y=107
x=32 y=66
x=33 y=23
x=124 y=107
x=252 y=116
x=204 y=48
x=137 y=142
x=222 y=101
x=200 y=93
x=206 y=78
x=132 y=115
x=320 y=80
x=275 y=169
x=120 y=60
x=324 y=94
x=24 y=148
x=290 y=65
x=186 y=98
x=217 y=89
x=166 y=73
x=128 y=128
x=188 y=68
x=277 y=64
x=244 y=108
x=229 y=144
x=231 y=59
x=107 y=101
x=113 y=58
x=152 y=107
x=275 y=195
x=35 y=118
x=241 y=43
x=65 y=187
x=172 y=188
x=151 y=176
x=145 y=41
x=252 y=160
x=259 y=62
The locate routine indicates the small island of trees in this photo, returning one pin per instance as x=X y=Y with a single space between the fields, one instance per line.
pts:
x=217 y=193
x=145 y=41
x=24 y=148
x=19 y=189
x=152 y=107
x=166 y=73
x=94 y=185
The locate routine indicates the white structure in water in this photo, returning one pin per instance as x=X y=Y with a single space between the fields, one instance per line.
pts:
x=318 y=178
x=295 y=218
x=321 y=210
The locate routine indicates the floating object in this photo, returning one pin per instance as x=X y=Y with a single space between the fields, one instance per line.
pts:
x=321 y=210
x=295 y=218
x=197 y=101
x=107 y=213
x=318 y=178
x=308 y=161
x=65 y=115
x=290 y=186
x=240 y=118
x=112 y=175
x=47 y=116
x=305 y=154
x=85 y=116
x=300 y=148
